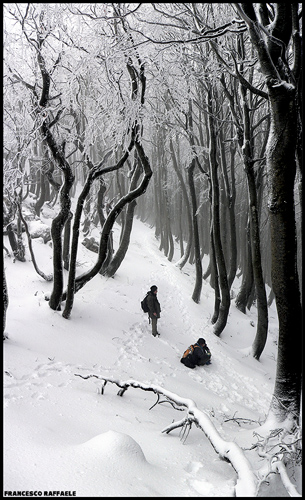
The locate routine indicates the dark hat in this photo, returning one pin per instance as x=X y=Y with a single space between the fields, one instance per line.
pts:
x=201 y=341
x=153 y=288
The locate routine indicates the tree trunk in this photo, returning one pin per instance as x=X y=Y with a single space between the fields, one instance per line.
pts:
x=260 y=291
x=214 y=280
x=270 y=298
x=56 y=233
x=219 y=256
x=281 y=166
x=80 y=281
x=180 y=232
x=16 y=241
x=74 y=246
x=44 y=276
x=187 y=251
x=198 y=265
x=244 y=293
x=66 y=246
x=12 y=239
x=229 y=208
x=232 y=221
x=171 y=249
x=5 y=301
x=60 y=220
x=102 y=218
x=194 y=208
x=42 y=192
x=281 y=171
x=94 y=172
x=118 y=258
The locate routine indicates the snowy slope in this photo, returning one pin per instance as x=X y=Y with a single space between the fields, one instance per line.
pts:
x=61 y=435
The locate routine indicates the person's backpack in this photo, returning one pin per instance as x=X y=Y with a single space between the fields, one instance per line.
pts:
x=144 y=304
x=188 y=351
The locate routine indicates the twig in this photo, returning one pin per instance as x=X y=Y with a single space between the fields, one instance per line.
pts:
x=235 y=419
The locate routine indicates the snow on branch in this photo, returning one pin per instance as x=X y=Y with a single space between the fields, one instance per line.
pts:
x=278 y=448
x=279 y=467
x=246 y=484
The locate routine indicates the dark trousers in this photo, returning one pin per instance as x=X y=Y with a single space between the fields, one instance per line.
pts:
x=154 y=321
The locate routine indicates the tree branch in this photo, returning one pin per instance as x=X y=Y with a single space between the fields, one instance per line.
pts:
x=246 y=482
x=46 y=277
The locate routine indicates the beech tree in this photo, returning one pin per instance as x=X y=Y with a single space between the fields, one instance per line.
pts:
x=245 y=139
x=55 y=117
x=134 y=131
x=275 y=33
x=36 y=27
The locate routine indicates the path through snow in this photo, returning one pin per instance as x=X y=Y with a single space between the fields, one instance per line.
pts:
x=57 y=426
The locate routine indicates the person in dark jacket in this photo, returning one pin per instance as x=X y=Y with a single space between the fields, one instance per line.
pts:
x=154 y=309
x=197 y=354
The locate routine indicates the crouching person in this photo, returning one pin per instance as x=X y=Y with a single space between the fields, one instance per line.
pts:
x=196 y=354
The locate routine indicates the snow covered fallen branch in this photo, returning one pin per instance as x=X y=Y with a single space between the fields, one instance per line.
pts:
x=278 y=448
x=246 y=485
x=279 y=467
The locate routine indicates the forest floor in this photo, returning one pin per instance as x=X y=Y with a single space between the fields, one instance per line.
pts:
x=60 y=434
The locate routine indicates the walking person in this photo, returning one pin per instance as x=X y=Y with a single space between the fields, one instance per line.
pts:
x=154 y=309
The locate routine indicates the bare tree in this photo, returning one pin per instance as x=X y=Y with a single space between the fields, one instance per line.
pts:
x=221 y=273
x=275 y=32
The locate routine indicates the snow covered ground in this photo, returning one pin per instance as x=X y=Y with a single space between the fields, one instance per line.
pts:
x=61 y=435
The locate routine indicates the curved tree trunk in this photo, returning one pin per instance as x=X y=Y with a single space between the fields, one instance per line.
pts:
x=40 y=273
x=60 y=220
x=60 y=160
x=95 y=172
x=111 y=268
x=74 y=246
x=118 y=257
x=80 y=281
x=187 y=250
x=219 y=256
x=196 y=242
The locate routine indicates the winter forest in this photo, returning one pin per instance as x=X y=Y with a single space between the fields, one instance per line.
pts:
x=185 y=120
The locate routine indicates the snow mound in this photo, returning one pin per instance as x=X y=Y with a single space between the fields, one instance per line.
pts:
x=115 y=447
x=38 y=229
x=114 y=464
